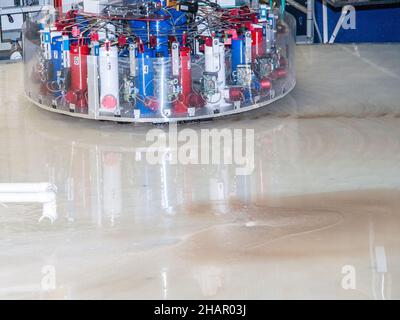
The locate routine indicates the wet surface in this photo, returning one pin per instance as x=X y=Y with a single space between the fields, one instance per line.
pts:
x=317 y=218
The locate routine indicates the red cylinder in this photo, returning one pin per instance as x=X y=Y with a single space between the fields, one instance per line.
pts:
x=258 y=47
x=78 y=56
x=186 y=72
x=280 y=73
x=236 y=94
x=185 y=80
x=265 y=84
x=59 y=6
x=78 y=75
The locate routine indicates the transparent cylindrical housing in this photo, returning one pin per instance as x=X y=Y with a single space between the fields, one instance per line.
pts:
x=160 y=68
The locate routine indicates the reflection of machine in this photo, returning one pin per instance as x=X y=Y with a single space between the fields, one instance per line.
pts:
x=112 y=193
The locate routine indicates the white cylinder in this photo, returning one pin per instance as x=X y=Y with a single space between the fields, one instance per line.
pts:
x=208 y=55
x=109 y=79
x=132 y=60
x=212 y=57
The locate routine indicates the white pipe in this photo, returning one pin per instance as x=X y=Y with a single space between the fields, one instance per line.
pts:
x=44 y=193
x=337 y=28
x=339 y=24
x=325 y=20
x=40 y=197
x=25 y=9
x=27 y=187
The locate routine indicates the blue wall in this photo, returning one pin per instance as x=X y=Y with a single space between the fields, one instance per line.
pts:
x=374 y=24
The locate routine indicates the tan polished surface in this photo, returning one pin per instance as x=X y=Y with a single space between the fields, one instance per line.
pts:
x=324 y=196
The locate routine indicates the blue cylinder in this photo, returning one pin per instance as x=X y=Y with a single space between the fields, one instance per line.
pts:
x=272 y=20
x=145 y=83
x=238 y=55
x=82 y=22
x=56 y=58
x=172 y=22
